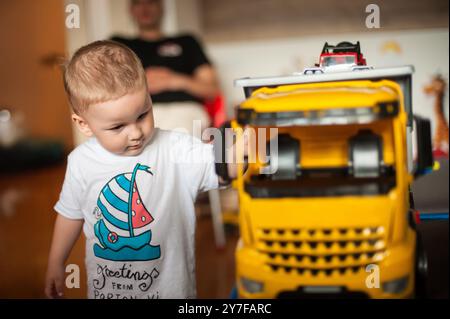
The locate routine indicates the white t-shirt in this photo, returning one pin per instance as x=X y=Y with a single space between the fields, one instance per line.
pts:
x=139 y=214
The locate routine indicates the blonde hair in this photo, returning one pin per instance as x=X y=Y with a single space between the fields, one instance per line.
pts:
x=102 y=71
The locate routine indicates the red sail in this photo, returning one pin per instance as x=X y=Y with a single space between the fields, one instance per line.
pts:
x=140 y=215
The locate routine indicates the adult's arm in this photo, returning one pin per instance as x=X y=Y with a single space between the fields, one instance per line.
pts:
x=202 y=84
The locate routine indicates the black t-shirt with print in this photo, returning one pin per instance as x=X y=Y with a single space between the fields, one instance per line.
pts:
x=182 y=54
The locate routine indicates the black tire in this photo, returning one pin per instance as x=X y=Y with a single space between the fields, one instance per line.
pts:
x=412 y=205
x=421 y=269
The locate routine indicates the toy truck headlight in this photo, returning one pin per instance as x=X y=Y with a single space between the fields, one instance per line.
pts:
x=396 y=286
x=252 y=286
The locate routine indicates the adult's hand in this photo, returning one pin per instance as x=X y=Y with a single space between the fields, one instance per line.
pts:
x=203 y=84
x=162 y=79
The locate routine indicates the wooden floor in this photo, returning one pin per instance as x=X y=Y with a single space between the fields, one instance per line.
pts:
x=26 y=223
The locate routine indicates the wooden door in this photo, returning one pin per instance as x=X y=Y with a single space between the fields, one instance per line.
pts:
x=32 y=39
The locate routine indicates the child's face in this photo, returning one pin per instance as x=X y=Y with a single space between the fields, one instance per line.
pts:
x=122 y=126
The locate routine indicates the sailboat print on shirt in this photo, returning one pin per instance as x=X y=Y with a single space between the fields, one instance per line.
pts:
x=124 y=230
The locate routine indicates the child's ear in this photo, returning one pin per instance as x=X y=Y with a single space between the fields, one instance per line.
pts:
x=82 y=125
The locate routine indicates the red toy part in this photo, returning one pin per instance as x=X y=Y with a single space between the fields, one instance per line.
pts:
x=216 y=110
x=342 y=53
x=417 y=216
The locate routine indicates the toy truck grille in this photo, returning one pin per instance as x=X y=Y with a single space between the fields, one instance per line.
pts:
x=329 y=252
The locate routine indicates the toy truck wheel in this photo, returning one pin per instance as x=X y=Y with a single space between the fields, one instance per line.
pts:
x=421 y=271
x=287 y=159
x=412 y=205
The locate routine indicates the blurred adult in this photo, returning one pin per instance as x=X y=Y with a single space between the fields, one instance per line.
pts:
x=180 y=76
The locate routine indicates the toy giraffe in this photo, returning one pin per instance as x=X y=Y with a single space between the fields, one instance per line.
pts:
x=440 y=140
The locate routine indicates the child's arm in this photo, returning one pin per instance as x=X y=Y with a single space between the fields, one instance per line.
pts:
x=65 y=235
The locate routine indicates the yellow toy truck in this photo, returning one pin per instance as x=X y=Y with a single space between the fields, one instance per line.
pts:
x=329 y=214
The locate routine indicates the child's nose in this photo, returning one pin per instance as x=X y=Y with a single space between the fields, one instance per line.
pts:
x=136 y=133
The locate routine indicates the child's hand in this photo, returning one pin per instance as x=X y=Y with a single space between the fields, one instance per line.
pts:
x=54 y=282
x=65 y=234
x=232 y=162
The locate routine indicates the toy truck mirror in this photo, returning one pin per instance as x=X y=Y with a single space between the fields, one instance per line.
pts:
x=425 y=162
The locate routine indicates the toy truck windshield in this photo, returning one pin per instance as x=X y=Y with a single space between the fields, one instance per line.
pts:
x=332 y=60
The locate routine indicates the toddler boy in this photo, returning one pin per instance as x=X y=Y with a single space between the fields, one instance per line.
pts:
x=131 y=186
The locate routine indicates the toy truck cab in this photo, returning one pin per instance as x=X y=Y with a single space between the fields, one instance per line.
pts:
x=338 y=58
x=333 y=209
x=342 y=53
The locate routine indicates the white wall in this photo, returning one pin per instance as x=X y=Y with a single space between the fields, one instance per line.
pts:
x=427 y=50
x=121 y=22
